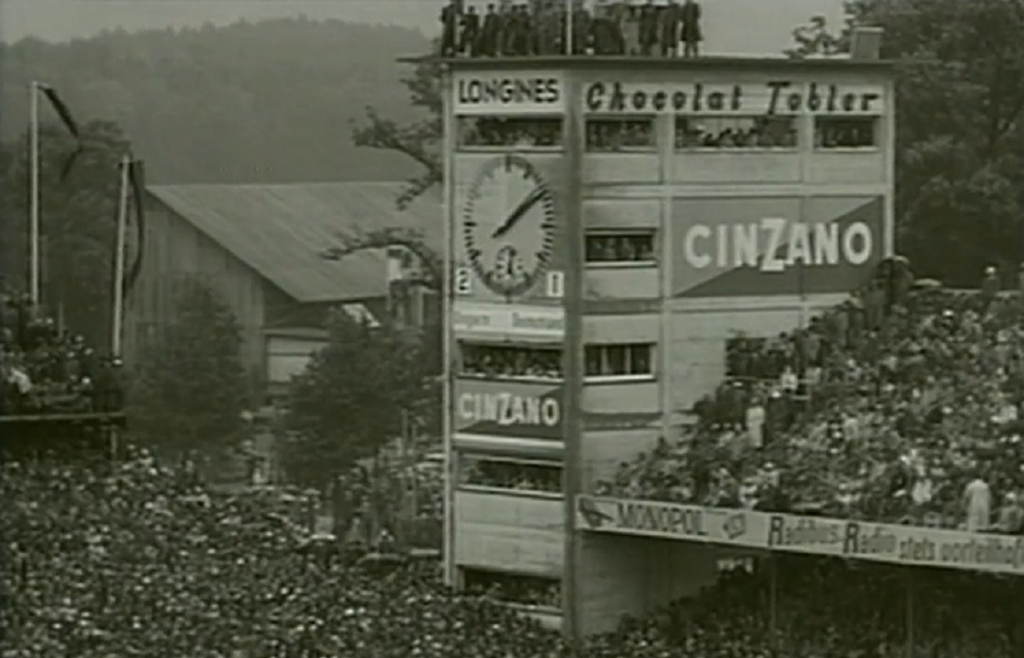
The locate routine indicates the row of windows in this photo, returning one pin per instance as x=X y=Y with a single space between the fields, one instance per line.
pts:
x=524 y=362
x=638 y=133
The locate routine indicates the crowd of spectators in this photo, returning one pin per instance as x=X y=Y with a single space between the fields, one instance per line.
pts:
x=510 y=474
x=507 y=132
x=46 y=369
x=833 y=608
x=510 y=362
x=620 y=248
x=132 y=559
x=834 y=132
x=614 y=135
x=735 y=132
x=608 y=135
x=900 y=409
x=405 y=502
x=540 y=28
x=508 y=588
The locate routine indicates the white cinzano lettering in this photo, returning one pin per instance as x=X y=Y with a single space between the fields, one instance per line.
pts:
x=696 y=260
x=775 y=244
x=506 y=409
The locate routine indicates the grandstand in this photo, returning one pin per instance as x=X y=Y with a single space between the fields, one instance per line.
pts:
x=58 y=393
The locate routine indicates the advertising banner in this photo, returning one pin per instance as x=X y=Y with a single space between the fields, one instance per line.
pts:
x=775 y=246
x=772 y=97
x=504 y=321
x=879 y=542
x=507 y=215
x=531 y=410
x=507 y=92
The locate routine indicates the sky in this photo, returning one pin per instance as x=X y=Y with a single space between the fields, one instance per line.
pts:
x=731 y=26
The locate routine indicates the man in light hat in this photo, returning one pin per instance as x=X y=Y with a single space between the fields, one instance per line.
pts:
x=1011 y=515
x=990 y=287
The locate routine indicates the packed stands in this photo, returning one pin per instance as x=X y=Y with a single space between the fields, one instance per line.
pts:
x=897 y=414
x=133 y=559
x=515 y=474
x=510 y=362
x=541 y=27
x=49 y=370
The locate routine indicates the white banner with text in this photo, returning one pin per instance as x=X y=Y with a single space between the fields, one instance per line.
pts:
x=508 y=320
x=879 y=542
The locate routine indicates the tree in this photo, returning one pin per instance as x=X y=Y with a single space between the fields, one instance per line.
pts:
x=351 y=398
x=960 y=86
x=77 y=222
x=190 y=389
x=814 y=38
x=420 y=141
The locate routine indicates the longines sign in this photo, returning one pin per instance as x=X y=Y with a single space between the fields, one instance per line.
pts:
x=496 y=92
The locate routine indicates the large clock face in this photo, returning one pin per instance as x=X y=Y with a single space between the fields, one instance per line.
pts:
x=508 y=225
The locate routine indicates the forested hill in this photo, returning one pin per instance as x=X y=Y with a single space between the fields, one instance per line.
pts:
x=252 y=102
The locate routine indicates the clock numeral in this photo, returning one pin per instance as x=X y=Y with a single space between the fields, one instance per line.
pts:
x=463 y=281
x=556 y=284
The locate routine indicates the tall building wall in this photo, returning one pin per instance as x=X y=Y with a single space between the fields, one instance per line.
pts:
x=709 y=198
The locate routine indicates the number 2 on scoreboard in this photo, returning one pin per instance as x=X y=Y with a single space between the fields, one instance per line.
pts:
x=463 y=281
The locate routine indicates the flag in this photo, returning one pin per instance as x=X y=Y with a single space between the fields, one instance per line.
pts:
x=62 y=110
x=137 y=228
x=69 y=162
x=69 y=122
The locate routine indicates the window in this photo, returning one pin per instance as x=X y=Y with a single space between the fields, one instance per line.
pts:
x=633 y=360
x=610 y=135
x=845 y=132
x=513 y=588
x=508 y=132
x=621 y=247
x=758 y=132
x=514 y=474
x=511 y=362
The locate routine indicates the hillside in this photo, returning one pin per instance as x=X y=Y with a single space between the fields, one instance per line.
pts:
x=250 y=102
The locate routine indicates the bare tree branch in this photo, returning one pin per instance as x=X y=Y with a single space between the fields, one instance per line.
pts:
x=431 y=262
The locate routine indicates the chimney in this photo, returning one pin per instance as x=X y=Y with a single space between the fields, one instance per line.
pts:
x=865 y=43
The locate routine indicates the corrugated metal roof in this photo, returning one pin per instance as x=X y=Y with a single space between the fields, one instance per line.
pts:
x=281 y=230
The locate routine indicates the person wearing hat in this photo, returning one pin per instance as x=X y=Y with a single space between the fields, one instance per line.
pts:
x=1011 y=515
x=977 y=500
x=989 y=288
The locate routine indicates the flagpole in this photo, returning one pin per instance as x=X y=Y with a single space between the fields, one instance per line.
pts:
x=33 y=138
x=122 y=221
x=568 y=27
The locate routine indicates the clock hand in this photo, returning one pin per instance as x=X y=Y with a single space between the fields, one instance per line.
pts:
x=524 y=206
